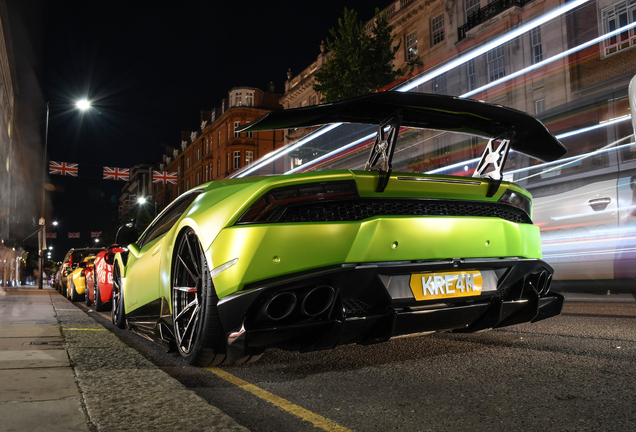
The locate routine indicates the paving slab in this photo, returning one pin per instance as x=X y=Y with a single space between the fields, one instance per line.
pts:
x=30 y=343
x=8 y=330
x=90 y=379
x=23 y=359
x=37 y=384
x=46 y=416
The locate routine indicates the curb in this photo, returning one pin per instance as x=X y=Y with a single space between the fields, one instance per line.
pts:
x=121 y=390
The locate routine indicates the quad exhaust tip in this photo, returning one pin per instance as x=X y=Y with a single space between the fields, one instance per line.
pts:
x=317 y=300
x=278 y=307
x=542 y=282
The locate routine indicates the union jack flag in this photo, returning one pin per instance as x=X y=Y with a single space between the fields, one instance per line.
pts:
x=51 y=235
x=164 y=177
x=113 y=173
x=95 y=234
x=63 y=168
x=73 y=235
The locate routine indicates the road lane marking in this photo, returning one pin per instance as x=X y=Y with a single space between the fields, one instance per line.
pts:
x=281 y=403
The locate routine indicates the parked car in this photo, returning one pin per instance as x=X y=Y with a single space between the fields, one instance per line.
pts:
x=69 y=263
x=99 y=281
x=312 y=260
x=77 y=279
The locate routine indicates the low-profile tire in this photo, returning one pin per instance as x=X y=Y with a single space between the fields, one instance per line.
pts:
x=98 y=304
x=197 y=327
x=87 y=298
x=117 y=312
x=73 y=295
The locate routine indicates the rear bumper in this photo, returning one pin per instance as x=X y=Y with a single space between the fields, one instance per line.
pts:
x=363 y=307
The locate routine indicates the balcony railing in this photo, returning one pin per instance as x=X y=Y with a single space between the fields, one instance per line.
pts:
x=484 y=14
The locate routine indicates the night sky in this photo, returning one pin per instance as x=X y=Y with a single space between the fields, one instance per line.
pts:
x=150 y=68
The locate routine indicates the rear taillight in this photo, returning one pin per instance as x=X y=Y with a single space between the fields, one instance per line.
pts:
x=271 y=206
x=517 y=200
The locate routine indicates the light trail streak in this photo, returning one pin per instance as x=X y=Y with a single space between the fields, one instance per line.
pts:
x=493 y=44
x=458 y=62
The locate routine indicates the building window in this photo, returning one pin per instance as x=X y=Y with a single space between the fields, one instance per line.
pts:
x=249 y=99
x=236 y=126
x=313 y=99
x=472 y=6
x=614 y=17
x=228 y=162
x=496 y=64
x=206 y=173
x=187 y=163
x=219 y=138
x=249 y=157
x=437 y=29
x=472 y=76
x=539 y=106
x=228 y=131
x=198 y=179
x=439 y=84
x=237 y=99
x=207 y=146
x=187 y=184
x=210 y=168
x=249 y=134
x=218 y=167
x=411 y=45
x=535 y=42
x=237 y=160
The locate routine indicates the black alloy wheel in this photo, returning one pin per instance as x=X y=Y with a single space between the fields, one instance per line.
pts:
x=74 y=296
x=197 y=327
x=98 y=304
x=117 y=311
x=87 y=298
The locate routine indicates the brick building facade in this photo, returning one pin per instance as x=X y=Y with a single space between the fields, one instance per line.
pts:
x=216 y=150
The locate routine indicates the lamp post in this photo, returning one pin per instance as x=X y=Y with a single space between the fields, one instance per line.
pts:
x=82 y=105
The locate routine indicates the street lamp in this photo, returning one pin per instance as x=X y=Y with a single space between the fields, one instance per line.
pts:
x=141 y=200
x=82 y=105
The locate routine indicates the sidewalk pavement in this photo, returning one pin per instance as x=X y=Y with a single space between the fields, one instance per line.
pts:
x=60 y=370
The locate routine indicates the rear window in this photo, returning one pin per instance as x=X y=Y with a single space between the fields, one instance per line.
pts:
x=79 y=255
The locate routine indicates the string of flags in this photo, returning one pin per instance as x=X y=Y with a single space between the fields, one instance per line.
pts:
x=110 y=173
x=63 y=168
x=113 y=173
x=165 y=177
x=94 y=234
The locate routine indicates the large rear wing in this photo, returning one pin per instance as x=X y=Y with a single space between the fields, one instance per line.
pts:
x=513 y=129
x=427 y=111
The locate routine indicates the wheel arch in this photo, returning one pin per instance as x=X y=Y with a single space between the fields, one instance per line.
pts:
x=169 y=255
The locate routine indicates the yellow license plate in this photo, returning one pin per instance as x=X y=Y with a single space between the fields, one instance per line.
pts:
x=440 y=285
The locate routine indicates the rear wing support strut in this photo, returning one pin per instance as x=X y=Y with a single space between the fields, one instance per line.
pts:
x=492 y=162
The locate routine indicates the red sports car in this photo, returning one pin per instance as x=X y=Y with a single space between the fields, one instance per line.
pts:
x=99 y=281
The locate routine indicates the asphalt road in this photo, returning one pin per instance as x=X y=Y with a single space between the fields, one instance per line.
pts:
x=575 y=372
